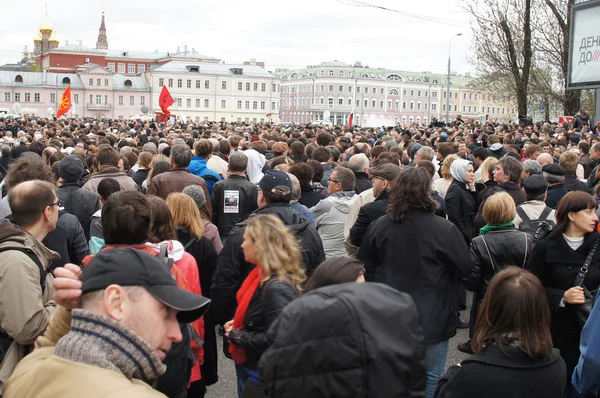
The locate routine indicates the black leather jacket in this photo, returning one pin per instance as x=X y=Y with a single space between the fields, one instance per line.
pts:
x=493 y=251
x=264 y=308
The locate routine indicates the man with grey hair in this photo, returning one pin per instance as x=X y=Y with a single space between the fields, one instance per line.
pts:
x=178 y=177
x=294 y=204
x=150 y=147
x=236 y=185
x=331 y=213
x=359 y=164
x=532 y=167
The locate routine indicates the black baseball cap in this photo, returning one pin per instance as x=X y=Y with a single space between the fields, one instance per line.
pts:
x=126 y=266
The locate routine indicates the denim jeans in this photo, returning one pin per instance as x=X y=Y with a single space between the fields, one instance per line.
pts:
x=435 y=364
x=242 y=378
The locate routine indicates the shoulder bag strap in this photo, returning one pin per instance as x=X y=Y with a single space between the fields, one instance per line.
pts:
x=545 y=213
x=521 y=212
x=580 y=278
x=488 y=252
x=189 y=243
x=526 y=249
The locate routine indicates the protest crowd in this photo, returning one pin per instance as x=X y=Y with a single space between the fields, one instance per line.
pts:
x=332 y=261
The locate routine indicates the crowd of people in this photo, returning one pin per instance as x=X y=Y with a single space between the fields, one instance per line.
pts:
x=334 y=261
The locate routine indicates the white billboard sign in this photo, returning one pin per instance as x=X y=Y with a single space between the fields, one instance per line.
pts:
x=584 y=49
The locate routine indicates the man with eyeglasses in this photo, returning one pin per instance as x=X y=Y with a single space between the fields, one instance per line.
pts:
x=25 y=293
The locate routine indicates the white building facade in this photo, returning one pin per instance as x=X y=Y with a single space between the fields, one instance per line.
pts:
x=376 y=96
x=96 y=92
x=218 y=92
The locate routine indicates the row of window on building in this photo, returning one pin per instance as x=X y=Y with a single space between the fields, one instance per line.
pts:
x=240 y=104
x=131 y=68
x=293 y=102
x=198 y=85
x=26 y=97
x=365 y=90
x=473 y=109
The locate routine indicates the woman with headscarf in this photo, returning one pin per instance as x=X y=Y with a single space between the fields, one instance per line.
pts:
x=461 y=198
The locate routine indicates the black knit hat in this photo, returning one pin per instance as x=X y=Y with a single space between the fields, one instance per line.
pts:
x=71 y=169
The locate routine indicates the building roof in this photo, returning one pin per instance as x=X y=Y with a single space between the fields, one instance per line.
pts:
x=205 y=68
x=39 y=79
x=138 y=83
x=151 y=55
x=358 y=71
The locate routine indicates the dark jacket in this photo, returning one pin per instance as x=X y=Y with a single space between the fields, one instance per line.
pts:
x=461 y=207
x=555 y=194
x=592 y=180
x=367 y=215
x=581 y=120
x=309 y=197
x=175 y=180
x=206 y=257
x=328 y=169
x=586 y=162
x=483 y=187
x=232 y=268
x=510 y=188
x=68 y=240
x=425 y=256
x=246 y=203
x=140 y=176
x=349 y=340
x=557 y=265
x=362 y=182
x=497 y=374
x=264 y=308
x=573 y=184
x=492 y=252
x=79 y=202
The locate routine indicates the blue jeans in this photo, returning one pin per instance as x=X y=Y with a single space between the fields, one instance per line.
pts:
x=435 y=364
x=242 y=378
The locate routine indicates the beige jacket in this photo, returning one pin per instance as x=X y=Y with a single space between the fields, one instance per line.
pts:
x=42 y=374
x=24 y=311
x=125 y=181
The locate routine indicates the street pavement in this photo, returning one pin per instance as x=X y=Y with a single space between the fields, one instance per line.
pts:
x=227 y=385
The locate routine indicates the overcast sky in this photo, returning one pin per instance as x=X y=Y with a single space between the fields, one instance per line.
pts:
x=280 y=33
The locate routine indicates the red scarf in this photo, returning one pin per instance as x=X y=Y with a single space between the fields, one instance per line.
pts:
x=244 y=296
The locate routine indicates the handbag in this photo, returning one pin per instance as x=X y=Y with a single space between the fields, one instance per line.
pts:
x=582 y=311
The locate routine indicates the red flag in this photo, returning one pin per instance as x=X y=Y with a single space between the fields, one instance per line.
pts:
x=65 y=103
x=165 y=100
x=351 y=119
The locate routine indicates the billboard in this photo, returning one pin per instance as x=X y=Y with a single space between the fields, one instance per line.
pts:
x=584 y=48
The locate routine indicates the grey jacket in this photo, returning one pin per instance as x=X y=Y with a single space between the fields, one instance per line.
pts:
x=330 y=216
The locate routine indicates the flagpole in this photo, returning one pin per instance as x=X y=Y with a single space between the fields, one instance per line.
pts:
x=178 y=111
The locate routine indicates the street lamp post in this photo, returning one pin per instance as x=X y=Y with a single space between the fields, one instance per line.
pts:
x=448 y=82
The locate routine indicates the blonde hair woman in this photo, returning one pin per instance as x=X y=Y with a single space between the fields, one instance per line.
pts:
x=485 y=178
x=272 y=284
x=498 y=245
x=190 y=232
x=155 y=160
x=442 y=184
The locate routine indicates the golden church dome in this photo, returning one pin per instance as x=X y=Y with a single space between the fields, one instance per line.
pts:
x=53 y=37
x=38 y=37
x=46 y=25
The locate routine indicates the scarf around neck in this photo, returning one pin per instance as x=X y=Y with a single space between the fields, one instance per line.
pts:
x=489 y=228
x=244 y=296
x=100 y=341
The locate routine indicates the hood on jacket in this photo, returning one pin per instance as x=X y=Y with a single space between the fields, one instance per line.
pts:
x=342 y=201
x=197 y=165
x=175 y=249
x=347 y=340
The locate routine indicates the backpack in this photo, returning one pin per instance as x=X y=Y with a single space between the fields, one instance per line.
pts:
x=5 y=339
x=535 y=229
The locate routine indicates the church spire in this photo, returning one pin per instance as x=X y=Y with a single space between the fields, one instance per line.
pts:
x=102 y=43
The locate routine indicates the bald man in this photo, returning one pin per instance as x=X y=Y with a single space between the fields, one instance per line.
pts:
x=25 y=292
x=545 y=159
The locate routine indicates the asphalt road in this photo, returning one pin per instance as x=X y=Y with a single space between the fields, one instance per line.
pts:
x=227 y=385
